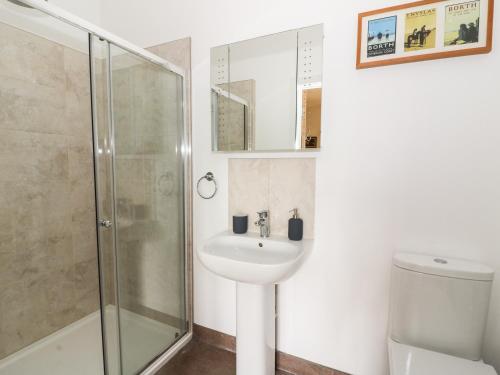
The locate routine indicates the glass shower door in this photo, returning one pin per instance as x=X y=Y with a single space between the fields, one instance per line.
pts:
x=141 y=137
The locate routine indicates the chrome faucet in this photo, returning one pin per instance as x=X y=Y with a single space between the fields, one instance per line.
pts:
x=263 y=223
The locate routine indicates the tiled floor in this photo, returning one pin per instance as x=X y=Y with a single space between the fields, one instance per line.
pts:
x=199 y=358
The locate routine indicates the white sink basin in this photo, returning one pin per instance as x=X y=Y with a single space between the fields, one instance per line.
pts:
x=256 y=264
x=249 y=258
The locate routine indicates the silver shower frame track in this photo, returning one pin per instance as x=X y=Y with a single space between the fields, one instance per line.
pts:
x=92 y=29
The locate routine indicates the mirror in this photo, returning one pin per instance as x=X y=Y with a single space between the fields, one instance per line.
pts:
x=266 y=92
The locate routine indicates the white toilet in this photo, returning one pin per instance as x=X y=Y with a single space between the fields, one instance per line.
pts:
x=439 y=308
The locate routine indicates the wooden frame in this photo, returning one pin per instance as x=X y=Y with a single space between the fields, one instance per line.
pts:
x=485 y=45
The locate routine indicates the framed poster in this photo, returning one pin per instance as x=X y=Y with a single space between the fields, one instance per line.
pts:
x=424 y=30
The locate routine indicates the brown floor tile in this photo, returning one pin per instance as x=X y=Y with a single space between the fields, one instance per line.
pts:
x=199 y=358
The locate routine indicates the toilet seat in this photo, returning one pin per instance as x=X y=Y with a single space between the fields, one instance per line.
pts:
x=410 y=360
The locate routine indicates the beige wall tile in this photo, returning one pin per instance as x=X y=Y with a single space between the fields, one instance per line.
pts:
x=48 y=218
x=248 y=189
x=77 y=109
x=178 y=52
x=275 y=184
x=31 y=58
x=152 y=274
x=292 y=185
x=31 y=107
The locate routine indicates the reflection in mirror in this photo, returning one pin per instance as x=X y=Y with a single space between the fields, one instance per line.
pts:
x=266 y=92
x=311 y=118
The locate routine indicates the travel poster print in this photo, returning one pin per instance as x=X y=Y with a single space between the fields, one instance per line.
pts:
x=462 y=23
x=381 y=36
x=420 y=30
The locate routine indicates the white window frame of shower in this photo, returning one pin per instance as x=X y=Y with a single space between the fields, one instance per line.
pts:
x=98 y=32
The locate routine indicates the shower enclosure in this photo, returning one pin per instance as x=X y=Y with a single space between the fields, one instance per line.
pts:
x=94 y=191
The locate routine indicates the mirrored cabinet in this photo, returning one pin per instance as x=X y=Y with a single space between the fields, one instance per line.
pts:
x=266 y=92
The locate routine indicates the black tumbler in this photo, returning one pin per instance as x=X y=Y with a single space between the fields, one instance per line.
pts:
x=240 y=224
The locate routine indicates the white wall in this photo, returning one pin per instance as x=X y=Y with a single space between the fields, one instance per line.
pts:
x=275 y=92
x=90 y=10
x=410 y=160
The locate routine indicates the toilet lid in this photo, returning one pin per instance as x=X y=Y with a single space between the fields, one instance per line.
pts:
x=409 y=360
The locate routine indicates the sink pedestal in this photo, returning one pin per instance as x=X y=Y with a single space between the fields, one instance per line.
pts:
x=255 y=329
x=257 y=265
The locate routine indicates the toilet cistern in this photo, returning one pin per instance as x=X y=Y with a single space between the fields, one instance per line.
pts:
x=438 y=314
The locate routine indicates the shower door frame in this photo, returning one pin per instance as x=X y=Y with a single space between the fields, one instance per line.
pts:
x=96 y=31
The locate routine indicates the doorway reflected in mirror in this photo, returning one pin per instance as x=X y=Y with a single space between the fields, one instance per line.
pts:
x=311 y=118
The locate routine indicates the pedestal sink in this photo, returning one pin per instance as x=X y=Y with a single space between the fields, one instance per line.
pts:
x=256 y=264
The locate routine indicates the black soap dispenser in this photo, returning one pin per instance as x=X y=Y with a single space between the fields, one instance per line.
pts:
x=295 y=226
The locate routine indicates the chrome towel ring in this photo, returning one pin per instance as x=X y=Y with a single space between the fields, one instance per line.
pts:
x=211 y=178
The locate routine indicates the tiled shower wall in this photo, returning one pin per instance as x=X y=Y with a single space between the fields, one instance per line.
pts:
x=278 y=185
x=178 y=52
x=148 y=194
x=48 y=255
x=149 y=197
x=235 y=128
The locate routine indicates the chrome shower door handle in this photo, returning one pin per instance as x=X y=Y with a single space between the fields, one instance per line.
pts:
x=105 y=223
